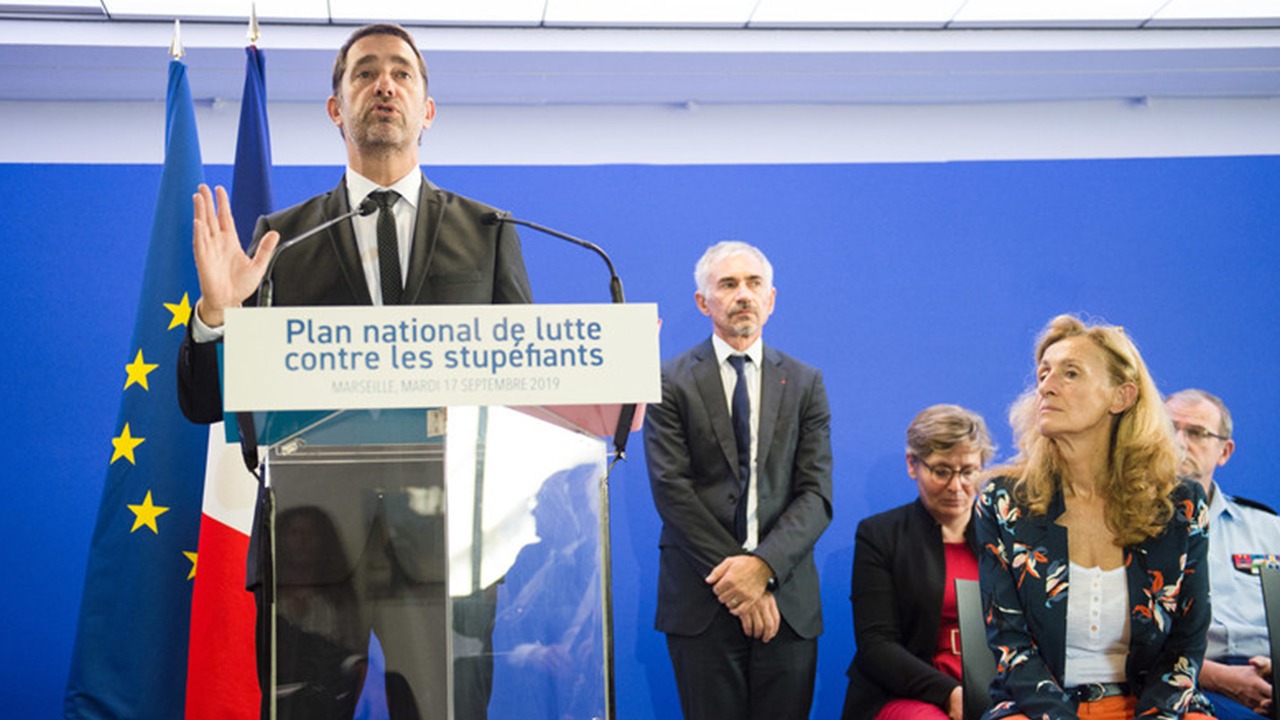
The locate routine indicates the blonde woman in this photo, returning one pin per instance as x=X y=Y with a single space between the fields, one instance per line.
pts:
x=1092 y=557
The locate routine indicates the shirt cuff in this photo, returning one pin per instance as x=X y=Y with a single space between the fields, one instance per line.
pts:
x=202 y=333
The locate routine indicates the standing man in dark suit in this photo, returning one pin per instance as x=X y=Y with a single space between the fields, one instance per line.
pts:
x=439 y=252
x=741 y=506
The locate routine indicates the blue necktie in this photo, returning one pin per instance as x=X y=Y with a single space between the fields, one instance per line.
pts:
x=742 y=437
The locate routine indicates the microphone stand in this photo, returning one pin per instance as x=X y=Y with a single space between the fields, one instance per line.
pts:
x=628 y=412
x=266 y=290
x=615 y=283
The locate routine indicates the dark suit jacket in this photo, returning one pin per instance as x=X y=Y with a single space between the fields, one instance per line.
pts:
x=692 y=459
x=1025 y=576
x=899 y=568
x=456 y=260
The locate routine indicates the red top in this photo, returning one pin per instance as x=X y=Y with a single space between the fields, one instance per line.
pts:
x=962 y=564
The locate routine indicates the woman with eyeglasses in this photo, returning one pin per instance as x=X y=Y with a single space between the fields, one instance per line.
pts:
x=1093 y=553
x=905 y=563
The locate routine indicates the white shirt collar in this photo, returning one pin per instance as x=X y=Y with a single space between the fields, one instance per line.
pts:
x=359 y=187
x=724 y=350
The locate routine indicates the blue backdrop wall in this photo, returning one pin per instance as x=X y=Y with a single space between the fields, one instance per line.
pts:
x=909 y=284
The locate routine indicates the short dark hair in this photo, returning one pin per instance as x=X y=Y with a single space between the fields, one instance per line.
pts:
x=340 y=63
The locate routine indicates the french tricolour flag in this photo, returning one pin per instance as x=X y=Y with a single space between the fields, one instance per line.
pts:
x=222 y=675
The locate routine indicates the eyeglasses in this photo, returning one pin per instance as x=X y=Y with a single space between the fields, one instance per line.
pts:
x=944 y=473
x=1197 y=434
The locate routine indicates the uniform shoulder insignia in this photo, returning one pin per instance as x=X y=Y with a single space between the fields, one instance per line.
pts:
x=1246 y=502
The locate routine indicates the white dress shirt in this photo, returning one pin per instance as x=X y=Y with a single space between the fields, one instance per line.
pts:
x=366 y=227
x=729 y=376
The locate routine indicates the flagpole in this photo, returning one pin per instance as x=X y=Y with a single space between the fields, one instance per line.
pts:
x=175 y=47
x=254 y=32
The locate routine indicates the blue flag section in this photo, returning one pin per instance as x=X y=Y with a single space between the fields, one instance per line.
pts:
x=251 y=182
x=130 y=656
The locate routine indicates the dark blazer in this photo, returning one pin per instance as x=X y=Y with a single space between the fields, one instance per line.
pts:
x=899 y=569
x=692 y=460
x=1024 y=574
x=456 y=259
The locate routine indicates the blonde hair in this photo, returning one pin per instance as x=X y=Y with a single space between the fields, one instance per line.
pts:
x=1143 y=458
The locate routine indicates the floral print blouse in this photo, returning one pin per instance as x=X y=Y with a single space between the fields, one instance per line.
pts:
x=1024 y=577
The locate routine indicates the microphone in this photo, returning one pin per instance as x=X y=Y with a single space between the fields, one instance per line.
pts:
x=615 y=283
x=628 y=411
x=267 y=288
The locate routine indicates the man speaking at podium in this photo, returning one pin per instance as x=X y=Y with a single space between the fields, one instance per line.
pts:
x=444 y=252
x=406 y=242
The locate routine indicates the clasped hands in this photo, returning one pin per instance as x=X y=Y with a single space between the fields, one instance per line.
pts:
x=1250 y=685
x=740 y=583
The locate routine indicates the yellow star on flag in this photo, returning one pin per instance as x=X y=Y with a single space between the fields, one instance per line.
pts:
x=138 y=371
x=181 y=312
x=146 y=514
x=192 y=557
x=124 y=445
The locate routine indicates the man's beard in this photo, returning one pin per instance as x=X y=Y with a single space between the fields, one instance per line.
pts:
x=377 y=141
x=745 y=326
x=378 y=136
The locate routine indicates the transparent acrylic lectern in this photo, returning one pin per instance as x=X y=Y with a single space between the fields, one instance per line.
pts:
x=436 y=564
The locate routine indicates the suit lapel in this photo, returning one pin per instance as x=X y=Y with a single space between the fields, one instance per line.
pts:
x=773 y=382
x=343 y=240
x=706 y=376
x=425 y=232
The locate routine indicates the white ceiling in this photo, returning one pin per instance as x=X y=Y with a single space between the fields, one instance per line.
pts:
x=687 y=13
x=542 y=52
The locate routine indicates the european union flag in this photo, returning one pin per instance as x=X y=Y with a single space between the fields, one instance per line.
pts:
x=130 y=656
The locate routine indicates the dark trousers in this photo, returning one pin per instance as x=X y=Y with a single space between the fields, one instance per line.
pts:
x=722 y=673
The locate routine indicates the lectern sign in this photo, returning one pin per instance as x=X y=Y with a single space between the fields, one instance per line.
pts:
x=409 y=356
